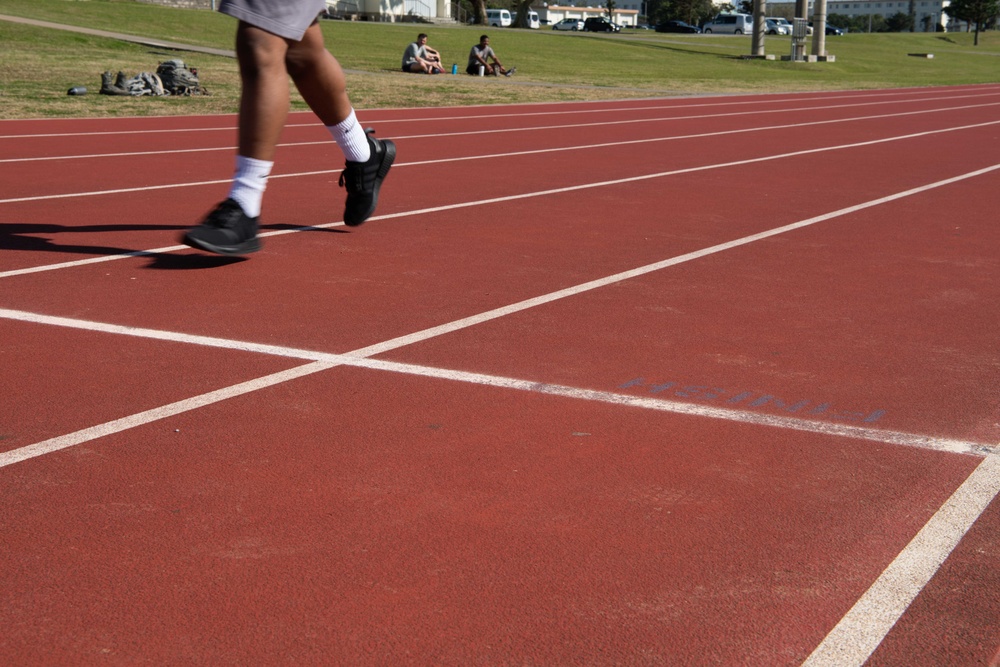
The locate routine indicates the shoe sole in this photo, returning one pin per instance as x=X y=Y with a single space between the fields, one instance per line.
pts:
x=245 y=248
x=388 y=157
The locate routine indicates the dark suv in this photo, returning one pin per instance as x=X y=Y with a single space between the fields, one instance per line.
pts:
x=600 y=24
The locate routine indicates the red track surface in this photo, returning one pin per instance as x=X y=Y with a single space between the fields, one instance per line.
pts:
x=738 y=445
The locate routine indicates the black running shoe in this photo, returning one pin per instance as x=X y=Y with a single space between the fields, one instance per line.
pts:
x=226 y=231
x=363 y=179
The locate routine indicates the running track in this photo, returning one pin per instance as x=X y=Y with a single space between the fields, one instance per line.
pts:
x=660 y=382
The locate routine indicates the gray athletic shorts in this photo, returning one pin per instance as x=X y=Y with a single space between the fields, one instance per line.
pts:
x=285 y=18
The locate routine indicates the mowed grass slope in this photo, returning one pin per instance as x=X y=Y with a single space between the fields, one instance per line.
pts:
x=38 y=65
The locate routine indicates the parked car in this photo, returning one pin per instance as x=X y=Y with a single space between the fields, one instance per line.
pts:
x=677 y=26
x=533 y=21
x=600 y=24
x=834 y=30
x=498 y=18
x=773 y=28
x=568 y=24
x=735 y=24
x=781 y=20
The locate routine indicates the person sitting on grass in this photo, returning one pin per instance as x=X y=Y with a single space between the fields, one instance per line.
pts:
x=479 y=56
x=420 y=58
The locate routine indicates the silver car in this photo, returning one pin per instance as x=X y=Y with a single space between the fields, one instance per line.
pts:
x=568 y=24
x=775 y=28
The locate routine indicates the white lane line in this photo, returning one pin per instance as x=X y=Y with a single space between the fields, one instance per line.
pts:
x=714 y=133
x=169 y=336
x=171 y=151
x=102 y=133
x=656 y=266
x=359 y=359
x=932 y=95
x=677 y=407
x=562 y=126
x=353 y=358
x=495 y=156
x=147 y=188
x=162 y=412
x=542 y=193
x=862 y=629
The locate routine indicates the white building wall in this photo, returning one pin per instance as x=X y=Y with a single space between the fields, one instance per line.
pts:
x=932 y=8
x=555 y=13
x=389 y=10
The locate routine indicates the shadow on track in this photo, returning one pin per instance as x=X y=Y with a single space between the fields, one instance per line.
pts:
x=33 y=237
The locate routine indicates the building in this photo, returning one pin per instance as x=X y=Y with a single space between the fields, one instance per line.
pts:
x=928 y=14
x=391 y=10
x=625 y=15
x=437 y=11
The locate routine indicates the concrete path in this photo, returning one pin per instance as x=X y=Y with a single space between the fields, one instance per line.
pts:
x=176 y=46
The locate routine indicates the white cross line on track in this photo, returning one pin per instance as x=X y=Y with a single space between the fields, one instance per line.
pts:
x=323 y=361
x=482 y=202
x=360 y=359
x=562 y=112
x=564 y=126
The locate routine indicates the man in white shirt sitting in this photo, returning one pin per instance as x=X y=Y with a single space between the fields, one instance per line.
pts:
x=421 y=59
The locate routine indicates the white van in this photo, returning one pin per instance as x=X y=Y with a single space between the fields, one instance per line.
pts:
x=498 y=18
x=733 y=24
x=533 y=22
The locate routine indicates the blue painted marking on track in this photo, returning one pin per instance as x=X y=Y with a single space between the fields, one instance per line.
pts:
x=751 y=400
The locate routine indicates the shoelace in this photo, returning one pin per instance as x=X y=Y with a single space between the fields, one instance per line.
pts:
x=353 y=175
x=226 y=215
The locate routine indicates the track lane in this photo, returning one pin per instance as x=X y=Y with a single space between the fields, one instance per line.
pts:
x=152 y=166
x=570 y=530
x=25 y=235
x=750 y=482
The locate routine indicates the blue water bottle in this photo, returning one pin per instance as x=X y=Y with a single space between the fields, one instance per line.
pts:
x=454 y=68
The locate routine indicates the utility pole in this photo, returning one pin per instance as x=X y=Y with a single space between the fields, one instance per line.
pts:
x=819 y=28
x=759 y=28
x=801 y=9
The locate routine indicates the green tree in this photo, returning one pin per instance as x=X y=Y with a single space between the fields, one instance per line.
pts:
x=694 y=12
x=859 y=23
x=478 y=11
x=522 y=7
x=899 y=22
x=982 y=13
x=610 y=6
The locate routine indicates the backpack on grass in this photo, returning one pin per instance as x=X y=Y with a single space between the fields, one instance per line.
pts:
x=178 y=79
x=143 y=83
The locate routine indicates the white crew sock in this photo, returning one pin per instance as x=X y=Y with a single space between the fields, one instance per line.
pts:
x=249 y=183
x=351 y=138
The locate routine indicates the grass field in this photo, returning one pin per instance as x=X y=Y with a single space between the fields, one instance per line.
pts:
x=38 y=65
